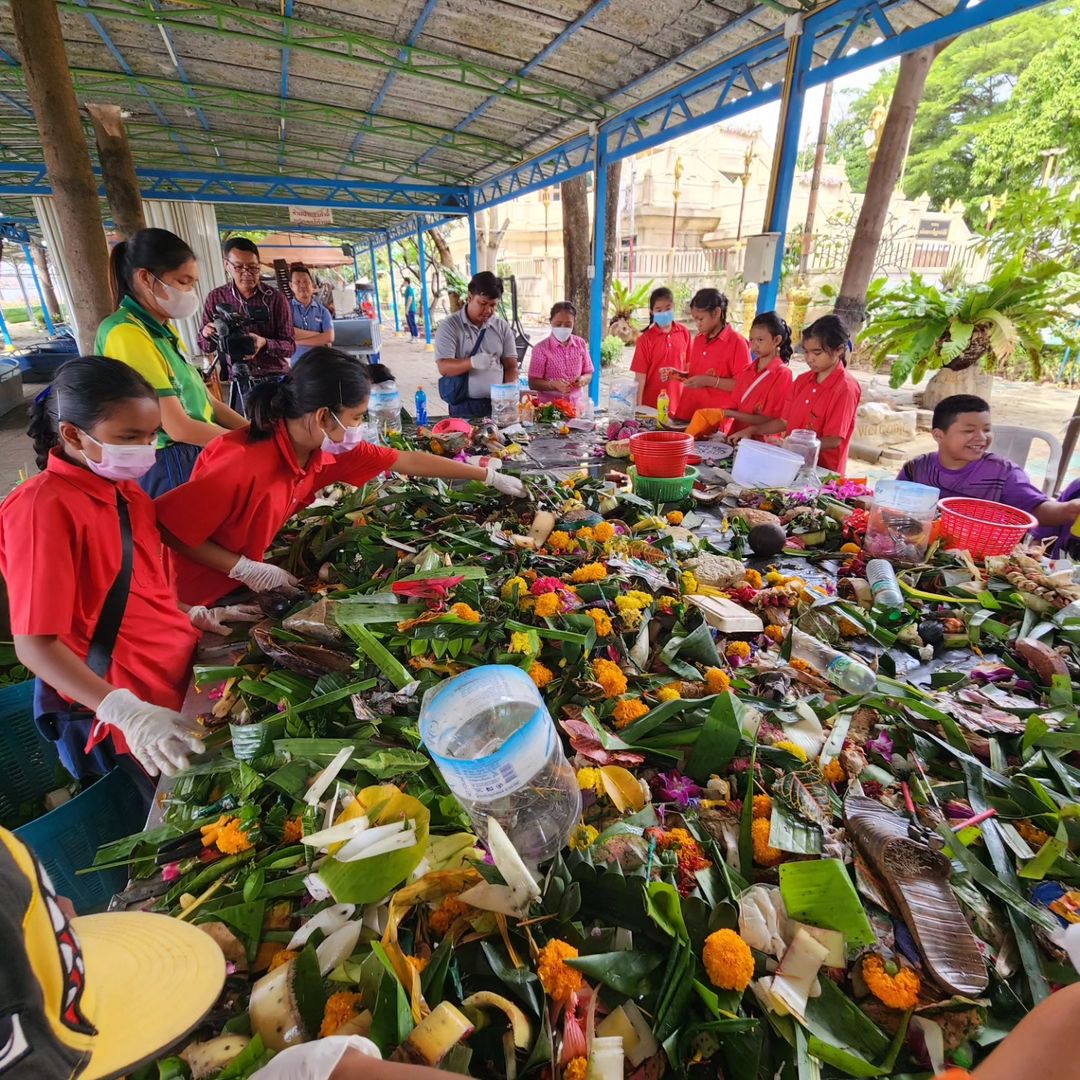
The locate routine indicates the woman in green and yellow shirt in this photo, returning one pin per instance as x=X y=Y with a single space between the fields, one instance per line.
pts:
x=153 y=278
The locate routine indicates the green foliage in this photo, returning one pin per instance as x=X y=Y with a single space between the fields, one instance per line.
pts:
x=611 y=349
x=625 y=301
x=1034 y=226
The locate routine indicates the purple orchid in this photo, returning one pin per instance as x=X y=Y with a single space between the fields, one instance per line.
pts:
x=676 y=788
x=881 y=744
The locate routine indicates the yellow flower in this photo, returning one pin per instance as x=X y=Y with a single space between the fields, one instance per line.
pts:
x=628 y=710
x=582 y=837
x=675 y=517
x=668 y=693
x=849 y=629
x=540 y=674
x=464 y=612
x=764 y=855
x=590 y=779
x=833 y=773
x=576 y=1069
x=728 y=960
x=717 y=681
x=604 y=532
x=293 y=831
x=899 y=991
x=800 y=665
x=340 y=1008
x=850 y=549
x=558 y=979
x=602 y=621
x=593 y=571
x=520 y=642
x=515 y=587
x=665 y=604
x=775 y=633
x=752 y=578
x=634 y=600
x=631 y=618
x=688 y=582
x=547 y=605
x=737 y=650
x=762 y=807
x=792 y=748
x=232 y=839
x=610 y=676
x=585 y=533
x=560 y=540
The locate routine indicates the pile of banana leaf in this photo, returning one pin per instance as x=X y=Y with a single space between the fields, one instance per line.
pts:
x=770 y=877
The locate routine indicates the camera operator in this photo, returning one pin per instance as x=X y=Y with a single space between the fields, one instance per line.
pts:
x=264 y=316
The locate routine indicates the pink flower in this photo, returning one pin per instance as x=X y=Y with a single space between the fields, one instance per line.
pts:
x=881 y=744
x=545 y=585
x=170 y=871
x=574 y=1043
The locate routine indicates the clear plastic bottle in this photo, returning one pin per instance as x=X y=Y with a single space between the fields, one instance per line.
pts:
x=883 y=584
x=586 y=410
x=492 y=737
x=843 y=671
x=526 y=409
x=384 y=409
x=606 y=1058
x=421 y=407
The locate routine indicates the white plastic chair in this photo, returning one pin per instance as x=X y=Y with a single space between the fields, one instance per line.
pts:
x=1014 y=442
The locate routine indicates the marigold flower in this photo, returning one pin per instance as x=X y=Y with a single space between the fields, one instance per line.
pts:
x=562 y=541
x=850 y=549
x=764 y=855
x=464 y=612
x=593 y=571
x=665 y=604
x=340 y=1008
x=610 y=676
x=634 y=600
x=752 y=578
x=520 y=642
x=627 y=711
x=833 y=773
x=293 y=830
x=717 y=681
x=792 y=748
x=282 y=956
x=631 y=619
x=601 y=620
x=226 y=835
x=668 y=693
x=728 y=960
x=762 y=807
x=582 y=837
x=849 y=629
x=688 y=582
x=576 y=1069
x=558 y=979
x=775 y=633
x=446 y=914
x=899 y=991
x=548 y=605
x=514 y=588
x=800 y=665
x=675 y=517
x=737 y=650
x=590 y=779
x=585 y=533
x=604 y=532
x=540 y=674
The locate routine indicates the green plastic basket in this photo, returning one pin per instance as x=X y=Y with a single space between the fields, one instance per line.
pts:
x=663 y=489
x=29 y=766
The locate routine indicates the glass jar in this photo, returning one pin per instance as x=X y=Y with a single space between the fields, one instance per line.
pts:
x=806 y=444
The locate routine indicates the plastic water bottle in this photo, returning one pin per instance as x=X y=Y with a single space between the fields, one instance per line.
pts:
x=421 y=407
x=843 y=671
x=883 y=584
x=663 y=404
x=492 y=737
x=384 y=409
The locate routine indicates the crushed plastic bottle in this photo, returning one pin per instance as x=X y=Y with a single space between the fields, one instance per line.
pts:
x=843 y=671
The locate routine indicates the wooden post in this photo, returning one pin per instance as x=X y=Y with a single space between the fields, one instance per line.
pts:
x=67 y=160
x=117 y=169
x=37 y=253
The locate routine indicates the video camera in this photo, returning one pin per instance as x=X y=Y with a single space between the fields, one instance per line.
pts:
x=233 y=342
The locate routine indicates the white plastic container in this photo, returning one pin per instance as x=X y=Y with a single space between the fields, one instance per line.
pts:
x=492 y=737
x=622 y=401
x=762 y=465
x=504 y=404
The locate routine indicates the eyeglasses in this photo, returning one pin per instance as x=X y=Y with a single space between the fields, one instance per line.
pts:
x=251 y=269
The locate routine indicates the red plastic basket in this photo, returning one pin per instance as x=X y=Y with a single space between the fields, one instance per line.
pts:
x=982 y=527
x=660 y=453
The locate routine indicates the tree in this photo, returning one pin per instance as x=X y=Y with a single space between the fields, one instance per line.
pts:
x=489 y=237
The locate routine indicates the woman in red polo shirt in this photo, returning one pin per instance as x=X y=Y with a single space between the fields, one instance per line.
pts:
x=826 y=398
x=717 y=354
x=664 y=344
x=304 y=434
x=94 y=431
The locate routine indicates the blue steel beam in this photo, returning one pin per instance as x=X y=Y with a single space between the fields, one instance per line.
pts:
x=474 y=258
x=314 y=230
x=375 y=281
x=423 y=281
x=393 y=283
x=596 y=286
x=49 y=326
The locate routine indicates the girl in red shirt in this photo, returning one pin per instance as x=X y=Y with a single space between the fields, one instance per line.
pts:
x=826 y=398
x=304 y=434
x=664 y=344
x=717 y=355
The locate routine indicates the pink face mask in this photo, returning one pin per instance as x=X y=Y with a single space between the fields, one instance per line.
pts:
x=121 y=462
x=353 y=438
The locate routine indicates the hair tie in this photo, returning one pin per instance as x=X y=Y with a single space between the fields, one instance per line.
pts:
x=43 y=396
x=282 y=379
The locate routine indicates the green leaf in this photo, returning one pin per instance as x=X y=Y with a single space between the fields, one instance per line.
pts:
x=392 y=1019
x=307 y=988
x=697 y=645
x=521 y=982
x=379 y=655
x=836 y=1023
x=625 y=972
x=433 y=977
x=663 y=906
x=250 y=1058
x=821 y=893
x=719 y=738
x=805 y=794
x=790 y=833
x=1047 y=855
x=746 y=821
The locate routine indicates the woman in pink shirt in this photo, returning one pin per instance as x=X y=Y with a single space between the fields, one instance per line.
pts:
x=560 y=366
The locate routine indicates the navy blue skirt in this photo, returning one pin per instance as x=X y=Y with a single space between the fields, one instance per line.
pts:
x=172 y=468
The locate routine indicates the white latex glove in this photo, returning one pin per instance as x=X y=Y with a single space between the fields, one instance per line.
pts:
x=214 y=619
x=315 y=1060
x=260 y=576
x=484 y=361
x=159 y=739
x=508 y=485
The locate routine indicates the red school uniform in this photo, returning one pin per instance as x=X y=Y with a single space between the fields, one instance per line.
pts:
x=656 y=349
x=240 y=495
x=827 y=408
x=766 y=393
x=60 y=554
x=725 y=355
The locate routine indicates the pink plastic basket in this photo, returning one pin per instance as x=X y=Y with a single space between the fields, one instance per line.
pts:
x=982 y=527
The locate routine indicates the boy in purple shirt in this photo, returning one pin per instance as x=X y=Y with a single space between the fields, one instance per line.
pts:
x=963 y=467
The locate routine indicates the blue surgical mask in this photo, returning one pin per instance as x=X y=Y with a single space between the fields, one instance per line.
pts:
x=663 y=318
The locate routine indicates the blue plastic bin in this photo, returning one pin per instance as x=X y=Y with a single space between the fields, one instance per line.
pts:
x=28 y=763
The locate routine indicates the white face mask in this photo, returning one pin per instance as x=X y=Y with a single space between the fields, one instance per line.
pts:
x=353 y=438
x=177 y=303
x=562 y=333
x=121 y=462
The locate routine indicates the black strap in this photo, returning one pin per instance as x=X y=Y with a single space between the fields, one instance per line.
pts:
x=479 y=342
x=99 y=657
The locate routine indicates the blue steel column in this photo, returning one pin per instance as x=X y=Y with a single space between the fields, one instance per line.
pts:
x=423 y=281
x=37 y=285
x=356 y=272
x=474 y=255
x=375 y=281
x=393 y=283
x=4 y=330
x=596 y=286
x=785 y=156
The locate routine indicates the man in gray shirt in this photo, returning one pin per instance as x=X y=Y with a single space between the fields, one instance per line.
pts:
x=475 y=350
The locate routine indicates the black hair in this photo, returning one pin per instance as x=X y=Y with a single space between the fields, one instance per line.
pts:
x=711 y=300
x=563 y=305
x=84 y=391
x=661 y=293
x=379 y=373
x=778 y=328
x=486 y=284
x=830 y=331
x=156 y=250
x=948 y=409
x=323 y=378
x=239 y=243
x=301 y=268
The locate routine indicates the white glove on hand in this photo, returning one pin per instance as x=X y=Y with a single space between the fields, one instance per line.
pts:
x=315 y=1060
x=159 y=739
x=260 y=576
x=508 y=485
x=214 y=619
x=484 y=361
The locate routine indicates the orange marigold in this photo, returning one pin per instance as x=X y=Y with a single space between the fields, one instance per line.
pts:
x=547 y=605
x=764 y=855
x=899 y=991
x=762 y=806
x=576 y=1069
x=281 y=957
x=293 y=831
x=717 y=680
x=737 y=650
x=775 y=633
x=585 y=533
x=446 y=914
x=540 y=674
x=561 y=541
x=601 y=620
x=800 y=665
x=675 y=517
x=752 y=578
x=593 y=571
x=604 y=532
x=628 y=710
x=728 y=960
x=610 y=676
x=340 y=1007
x=231 y=839
x=557 y=978
x=833 y=772
x=464 y=612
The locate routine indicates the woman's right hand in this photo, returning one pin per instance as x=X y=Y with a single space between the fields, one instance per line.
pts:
x=667 y=374
x=261 y=577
